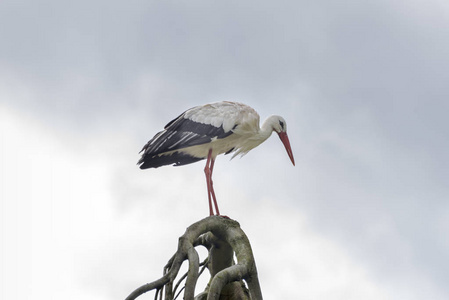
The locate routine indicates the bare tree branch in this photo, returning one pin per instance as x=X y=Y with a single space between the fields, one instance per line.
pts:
x=222 y=237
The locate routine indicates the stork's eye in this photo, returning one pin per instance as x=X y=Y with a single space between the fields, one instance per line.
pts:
x=281 y=123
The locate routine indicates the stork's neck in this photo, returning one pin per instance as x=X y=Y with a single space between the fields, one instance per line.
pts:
x=267 y=128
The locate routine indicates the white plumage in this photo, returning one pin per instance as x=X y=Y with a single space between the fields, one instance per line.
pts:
x=203 y=132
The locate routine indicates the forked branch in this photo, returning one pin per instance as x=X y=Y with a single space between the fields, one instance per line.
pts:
x=223 y=238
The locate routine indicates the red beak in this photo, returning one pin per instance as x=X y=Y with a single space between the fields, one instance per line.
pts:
x=284 y=138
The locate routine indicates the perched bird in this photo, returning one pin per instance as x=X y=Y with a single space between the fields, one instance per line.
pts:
x=203 y=132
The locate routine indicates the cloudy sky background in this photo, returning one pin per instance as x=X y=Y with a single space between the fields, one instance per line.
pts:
x=363 y=86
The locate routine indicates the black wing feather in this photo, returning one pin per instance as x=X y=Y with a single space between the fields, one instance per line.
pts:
x=176 y=159
x=178 y=134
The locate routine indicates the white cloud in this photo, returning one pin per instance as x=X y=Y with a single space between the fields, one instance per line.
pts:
x=68 y=232
x=363 y=87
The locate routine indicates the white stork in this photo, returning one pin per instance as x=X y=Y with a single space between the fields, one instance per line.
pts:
x=207 y=131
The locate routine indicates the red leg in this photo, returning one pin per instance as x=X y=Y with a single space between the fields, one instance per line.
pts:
x=212 y=186
x=208 y=173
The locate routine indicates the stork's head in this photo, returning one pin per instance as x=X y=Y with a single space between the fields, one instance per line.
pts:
x=280 y=127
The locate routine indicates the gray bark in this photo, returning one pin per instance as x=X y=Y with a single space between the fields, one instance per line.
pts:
x=223 y=238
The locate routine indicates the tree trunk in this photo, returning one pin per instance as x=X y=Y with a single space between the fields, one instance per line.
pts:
x=223 y=238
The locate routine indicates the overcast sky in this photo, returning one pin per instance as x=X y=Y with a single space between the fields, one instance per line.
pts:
x=363 y=86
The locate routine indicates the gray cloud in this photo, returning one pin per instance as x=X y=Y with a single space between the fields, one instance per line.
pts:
x=363 y=88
